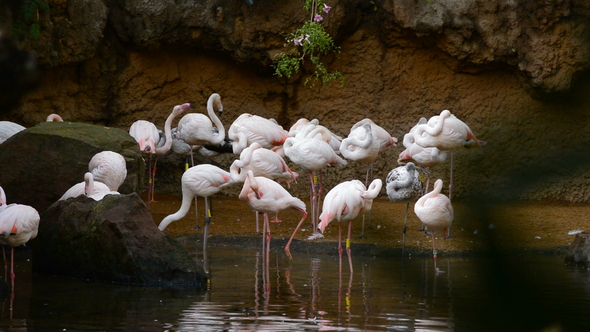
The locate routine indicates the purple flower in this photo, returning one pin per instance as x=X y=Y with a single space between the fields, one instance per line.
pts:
x=326 y=8
x=297 y=41
x=307 y=39
x=318 y=18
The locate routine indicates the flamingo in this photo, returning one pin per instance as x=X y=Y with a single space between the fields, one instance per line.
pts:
x=403 y=185
x=18 y=224
x=446 y=132
x=304 y=127
x=365 y=142
x=435 y=211
x=197 y=129
x=426 y=158
x=147 y=136
x=54 y=117
x=343 y=203
x=8 y=129
x=89 y=187
x=313 y=154
x=201 y=180
x=262 y=162
x=265 y=195
x=248 y=128
x=110 y=168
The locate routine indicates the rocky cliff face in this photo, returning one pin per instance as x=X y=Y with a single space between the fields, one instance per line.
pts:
x=516 y=72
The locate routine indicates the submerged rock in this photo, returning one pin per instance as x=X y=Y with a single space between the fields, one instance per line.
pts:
x=579 y=251
x=112 y=240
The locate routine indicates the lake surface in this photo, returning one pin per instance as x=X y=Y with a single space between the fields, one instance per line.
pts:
x=252 y=290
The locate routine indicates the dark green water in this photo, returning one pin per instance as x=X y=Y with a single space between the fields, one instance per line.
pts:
x=518 y=293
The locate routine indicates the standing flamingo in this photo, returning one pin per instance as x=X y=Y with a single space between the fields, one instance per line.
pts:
x=248 y=128
x=18 y=224
x=147 y=136
x=364 y=143
x=403 y=185
x=435 y=211
x=110 y=168
x=313 y=154
x=198 y=129
x=202 y=180
x=343 y=203
x=426 y=158
x=265 y=195
x=262 y=162
x=446 y=132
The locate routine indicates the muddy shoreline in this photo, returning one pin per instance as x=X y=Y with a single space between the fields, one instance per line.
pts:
x=520 y=228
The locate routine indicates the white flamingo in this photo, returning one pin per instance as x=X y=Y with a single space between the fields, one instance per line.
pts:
x=265 y=195
x=446 y=132
x=110 y=168
x=435 y=211
x=364 y=143
x=248 y=129
x=313 y=155
x=147 y=136
x=202 y=180
x=343 y=203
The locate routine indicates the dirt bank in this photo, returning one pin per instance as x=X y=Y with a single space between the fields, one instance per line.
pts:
x=534 y=227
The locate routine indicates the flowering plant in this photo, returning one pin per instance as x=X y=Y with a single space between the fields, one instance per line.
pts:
x=309 y=42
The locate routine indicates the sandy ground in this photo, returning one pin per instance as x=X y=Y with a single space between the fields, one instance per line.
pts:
x=532 y=226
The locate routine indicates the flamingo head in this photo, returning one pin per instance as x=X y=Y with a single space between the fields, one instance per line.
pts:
x=325 y=219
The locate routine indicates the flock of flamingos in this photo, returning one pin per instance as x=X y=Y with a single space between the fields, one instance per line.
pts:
x=262 y=145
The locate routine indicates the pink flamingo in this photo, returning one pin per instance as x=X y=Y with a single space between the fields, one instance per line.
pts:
x=446 y=132
x=313 y=155
x=54 y=117
x=365 y=142
x=18 y=224
x=435 y=211
x=147 y=136
x=262 y=162
x=248 y=129
x=265 y=195
x=198 y=129
x=89 y=187
x=343 y=203
x=202 y=180
x=110 y=168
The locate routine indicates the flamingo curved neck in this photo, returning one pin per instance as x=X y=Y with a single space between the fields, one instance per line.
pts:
x=88 y=184
x=215 y=99
x=187 y=200
x=168 y=131
x=235 y=171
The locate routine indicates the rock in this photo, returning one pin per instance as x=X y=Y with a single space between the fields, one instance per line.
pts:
x=112 y=240
x=40 y=163
x=579 y=251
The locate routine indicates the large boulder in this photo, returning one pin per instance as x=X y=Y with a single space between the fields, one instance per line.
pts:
x=112 y=240
x=40 y=163
x=579 y=251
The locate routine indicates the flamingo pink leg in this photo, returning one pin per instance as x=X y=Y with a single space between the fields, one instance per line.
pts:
x=288 y=246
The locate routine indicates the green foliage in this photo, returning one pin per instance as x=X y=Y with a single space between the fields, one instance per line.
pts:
x=308 y=43
x=29 y=18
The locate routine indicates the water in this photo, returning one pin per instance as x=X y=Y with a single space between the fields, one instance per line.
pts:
x=249 y=291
